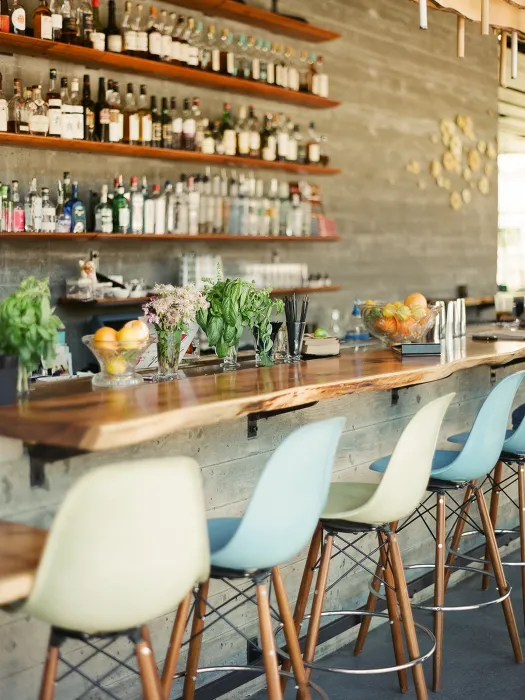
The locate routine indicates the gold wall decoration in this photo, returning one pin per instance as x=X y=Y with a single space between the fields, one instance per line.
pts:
x=465 y=166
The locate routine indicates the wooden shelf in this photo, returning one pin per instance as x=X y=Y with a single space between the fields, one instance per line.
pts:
x=173 y=237
x=138 y=301
x=257 y=17
x=41 y=48
x=52 y=143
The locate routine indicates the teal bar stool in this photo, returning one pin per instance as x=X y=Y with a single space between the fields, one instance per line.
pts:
x=452 y=470
x=279 y=521
x=354 y=510
x=119 y=554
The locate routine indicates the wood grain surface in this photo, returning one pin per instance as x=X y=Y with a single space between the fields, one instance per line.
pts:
x=72 y=414
x=21 y=547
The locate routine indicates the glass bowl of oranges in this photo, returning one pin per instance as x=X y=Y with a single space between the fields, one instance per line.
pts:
x=118 y=353
x=406 y=321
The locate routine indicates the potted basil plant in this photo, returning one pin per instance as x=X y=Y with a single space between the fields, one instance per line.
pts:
x=28 y=328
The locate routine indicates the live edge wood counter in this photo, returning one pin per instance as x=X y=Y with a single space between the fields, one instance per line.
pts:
x=72 y=414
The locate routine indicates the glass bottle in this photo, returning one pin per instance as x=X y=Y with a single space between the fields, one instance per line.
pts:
x=208 y=140
x=3 y=107
x=254 y=129
x=48 y=212
x=121 y=216
x=243 y=133
x=38 y=117
x=14 y=109
x=6 y=210
x=77 y=110
x=68 y=186
x=227 y=132
x=320 y=84
x=69 y=23
x=4 y=20
x=262 y=60
x=189 y=126
x=113 y=35
x=210 y=54
x=252 y=53
x=136 y=206
x=176 y=125
x=131 y=118
x=268 y=140
x=139 y=25
x=17 y=210
x=293 y=143
x=281 y=67
x=18 y=19
x=312 y=72
x=293 y=72
x=282 y=135
x=168 y=25
x=313 y=147
x=144 y=116
x=129 y=33
x=302 y=155
x=154 y=35
x=24 y=112
x=103 y=213
x=97 y=36
x=54 y=105
x=102 y=112
x=74 y=207
x=166 y=140
x=228 y=57
x=156 y=126
x=274 y=205
x=304 y=71
x=116 y=118
x=269 y=61
x=89 y=111
x=63 y=218
x=159 y=208
x=149 y=208
x=85 y=22
x=193 y=36
x=42 y=22
x=177 y=41
x=67 y=122
x=33 y=209
x=243 y=62
x=56 y=19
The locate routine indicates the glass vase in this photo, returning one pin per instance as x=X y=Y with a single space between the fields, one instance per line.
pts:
x=229 y=363
x=168 y=352
x=22 y=384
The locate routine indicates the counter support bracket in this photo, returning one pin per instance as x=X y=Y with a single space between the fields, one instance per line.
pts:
x=254 y=418
x=40 y=455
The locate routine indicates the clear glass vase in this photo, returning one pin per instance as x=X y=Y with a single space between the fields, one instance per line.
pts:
x=168 y=352
x=229 y=363
x=22 y=384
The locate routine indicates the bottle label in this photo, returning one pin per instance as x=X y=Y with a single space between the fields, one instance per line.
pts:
x=55 y=119
x=175 y=50
x=79 y=218
x=63 y=224
x=166 y=46
x=155 y=43
x=243 y=142
x=229 y=140
x=315 y=84
x=130 y=40
x=104 y=116
x=255 y=142
x=46 y=27
x=56 y=21
x=39 y=123
x=256 y=69
x=48 y=219
x=66 y=123
x=89 y=120
x=282 y=144
x=208 y=145
x=4 y=23
x=293 y=78
x=183 y=53
x=157 y=132
x=114 y=125
x=137 y=213
x=192 y=58
x=121 y=125
x=54 y=102
x=189 y=127
x=18 y=18
x=123 y=217
x=133 y=127
x=3 y=115
x=216 y=60
x=314 y=153
x=176 y=125
x=166 y=133
x=323 y=85
x=19 y=220
x=142 y=42
x=292 y=150
x=270 y=79
x=115 y=43
x=230 y=63
x=269 y=151
x=147 y=130
x=104 y=221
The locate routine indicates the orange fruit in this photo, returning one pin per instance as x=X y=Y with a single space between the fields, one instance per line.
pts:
x=129 y=338
x=416 y=299
x=387 y=325
x=406 y=327
x=140 y=327
x=105 y=337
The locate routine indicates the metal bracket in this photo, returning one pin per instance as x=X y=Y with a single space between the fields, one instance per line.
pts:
x=40 y=455
x=254 y=418
x=395 y=397
x=492 y=376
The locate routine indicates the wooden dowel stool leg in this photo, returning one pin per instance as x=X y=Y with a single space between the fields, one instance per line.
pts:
x=47 y=688
x=192 y=664
x=149 y=673
x=458 y=533
x=521 y=494
x=172 y=656
x=494 y=504
x=268 y=644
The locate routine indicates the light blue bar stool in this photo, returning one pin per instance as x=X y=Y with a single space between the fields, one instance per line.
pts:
x=452 y=470
x=281 y=516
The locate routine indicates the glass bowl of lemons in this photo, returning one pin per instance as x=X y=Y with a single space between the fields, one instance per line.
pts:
x=406 y=321
x=118 y=353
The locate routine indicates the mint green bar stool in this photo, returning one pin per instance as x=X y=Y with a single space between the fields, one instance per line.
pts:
x=357 y=509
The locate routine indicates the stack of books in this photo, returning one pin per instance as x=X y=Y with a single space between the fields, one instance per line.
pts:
x=320 y=347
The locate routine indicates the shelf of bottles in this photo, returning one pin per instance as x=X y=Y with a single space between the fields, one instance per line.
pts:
x=167 y=237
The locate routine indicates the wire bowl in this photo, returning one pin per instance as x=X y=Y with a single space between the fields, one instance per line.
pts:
x=394 y=323
x=117 y=360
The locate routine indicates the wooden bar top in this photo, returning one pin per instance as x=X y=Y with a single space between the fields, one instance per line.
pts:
x=72 y=414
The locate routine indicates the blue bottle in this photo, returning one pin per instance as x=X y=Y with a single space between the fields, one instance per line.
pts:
x=76 y=210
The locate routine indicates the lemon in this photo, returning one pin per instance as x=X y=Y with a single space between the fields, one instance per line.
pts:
x=403 y=313
x=320 y=333
x=116 y=365
x=388 y=311
x=369 y=302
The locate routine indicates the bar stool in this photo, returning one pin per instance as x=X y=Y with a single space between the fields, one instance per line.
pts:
x=452 y=470
x=279 y=520
x=361 y=508
x=513 y=456
x=126 y=546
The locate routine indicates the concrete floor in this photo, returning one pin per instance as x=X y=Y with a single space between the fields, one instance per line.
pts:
x=478 y=659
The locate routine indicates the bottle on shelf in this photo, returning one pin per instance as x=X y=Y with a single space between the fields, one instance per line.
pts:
x=69 y=23
x=149 y=208
x=268 y=60
x=116 y=118
x=77 y=110
x=293 y=71
x=210 y=54
x=131 y=118
x=252 y=51
x=129 y=33
x=103 y=213
x=254 y=129
x=189 y=125
x=268 y=140
x=24 y=116
x=243 y=61
x=54 y=105
x=156 y=126
x=42 y=21
x=3 y=107
x=168 y=24
x=121 y=216
x=313 y=146
x=207 y=145
x=17 y=23
x=63 y=218
x=282 y=136
x=166 y=125
x=144 y=117
x=320 y=83
x=193 y=207
x=17 y=210
x=56 y=20
x=85 y=22
x=33 y=209
x=177 y=40
x=38 y=117
x=67 y=123
x=97 y=36
x=159 y=210
x=89 y=109
x=102 y=113
x=113 y=33
x=176 y=125
x=139 y=25
x=227 y=132
x=67 y=186
x=74 y=207
x=48 y=212
x=243 y=133
x=194 y=41
x=14 y=110
x=228 y=57
x=154 y=35
x=136 y=206
x=4 y=19
x=312 y=72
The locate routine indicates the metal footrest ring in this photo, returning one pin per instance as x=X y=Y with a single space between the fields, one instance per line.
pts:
x=476 y=560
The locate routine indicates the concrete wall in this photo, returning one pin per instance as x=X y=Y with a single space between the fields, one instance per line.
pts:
x=396 y=83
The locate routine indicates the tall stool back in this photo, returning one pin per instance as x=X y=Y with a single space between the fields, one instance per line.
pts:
x=288 y=499
x=128 y=543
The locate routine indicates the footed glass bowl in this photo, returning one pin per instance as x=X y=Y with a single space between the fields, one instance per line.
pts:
x=398 y=324
x=117 y=361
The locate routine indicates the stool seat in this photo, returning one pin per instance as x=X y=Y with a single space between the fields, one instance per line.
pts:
x=220 y=533
x=440 y=460
x=461 y=438
x=345 y=500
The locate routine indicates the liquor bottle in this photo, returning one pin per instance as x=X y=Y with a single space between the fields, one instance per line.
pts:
x=103 y=213
x=24 y=113
x=227 y=55
x=144 y=115
x=97 y=36
x=149 y=208
x=129 y=33
x=42 y=22
x=102 y=112
x=191 y=43
x=48 y=212
x=274 y=204
x=313 y=148
x=167 y=24
x=67 y=122
x=38 y=118
x=244 y=68
x=33 y=209
x=294 y=222
x=216 y=131
x=262 y=61
x=268 y=140
x=210 y=54
x=254 y=129
x=281 y=67
x=139 y=26
x=180 y=209
x=154 y=35
x=166 y=125
x=18 y=19
x=63 y=218
x=14 y=110
x=282 y=138
x=113 y=35
x=293 y=72
x=120 y=212
x=3 y=107
x=176 y=125
x=136 y=206
x=320 y=83
x=67 y=186
x=159 y=211
x=84 y=22
x=4 y=18
x=189 y=126
x=312 y=72
x=6 y=210
x=109 y=91
x=177 y=41
x=252 y=53
x=243 y=134
x=54 y=105
x=284 y=207
x=77 y=110
x=17 y=210
x=56 y=19
x=89 y=111
x=170 y=207
x=304 y=72
x=69 y=23
x=131 y=118
x=116 y=118
x=193 y=208
x=228 y=135
x=270 y=63
x=207 y=145
x=156 y=126
x=76 y=210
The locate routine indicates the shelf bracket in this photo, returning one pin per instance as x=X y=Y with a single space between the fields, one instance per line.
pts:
x=40 y=455
x=254 y=418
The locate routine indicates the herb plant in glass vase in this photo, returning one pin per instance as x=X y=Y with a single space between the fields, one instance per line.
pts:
x=28 y=328
x=172 y=311
x=264 y=331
